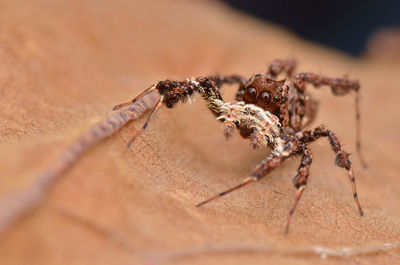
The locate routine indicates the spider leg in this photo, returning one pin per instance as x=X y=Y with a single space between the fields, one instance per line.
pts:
x=342 y=158
x=262 y=169
x=153 y=112
x=358 y=129
x=173 y=92
x=281 y=66
x=339 y=87
x=244 y=183
x=148 y=90
x=228 y=79
x=215 y=86
x=300 y=180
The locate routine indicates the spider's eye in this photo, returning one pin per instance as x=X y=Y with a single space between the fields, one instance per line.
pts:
x=264 y=98
x=251 y=93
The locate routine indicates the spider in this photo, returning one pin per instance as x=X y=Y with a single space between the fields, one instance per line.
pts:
x=269 y=112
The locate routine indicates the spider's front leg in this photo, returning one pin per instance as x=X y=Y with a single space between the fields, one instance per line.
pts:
x=339 y=87
x=220 y=80
x=172 y=92
x=342 y=157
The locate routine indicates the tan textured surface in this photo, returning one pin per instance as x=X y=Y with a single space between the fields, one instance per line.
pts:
x=65 y=64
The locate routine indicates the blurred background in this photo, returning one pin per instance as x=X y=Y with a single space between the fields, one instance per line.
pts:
x=341 y=24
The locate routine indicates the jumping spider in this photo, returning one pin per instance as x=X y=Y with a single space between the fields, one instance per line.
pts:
x=267 y=111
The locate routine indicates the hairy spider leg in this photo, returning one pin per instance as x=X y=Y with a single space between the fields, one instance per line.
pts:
x=228 y=79
x=208 y=87
x=358 y=130
x=153 y=112
x=145 y=92
x=300 y=180
x=342 y=158
x=278 y=66
x=284 y=115
x=244 y=183
x=339 y=86
x=262 y=169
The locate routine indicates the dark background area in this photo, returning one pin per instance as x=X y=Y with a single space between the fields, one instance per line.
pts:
x=342 y=24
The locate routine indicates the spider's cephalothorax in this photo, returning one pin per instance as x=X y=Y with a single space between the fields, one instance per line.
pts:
x=267 y=111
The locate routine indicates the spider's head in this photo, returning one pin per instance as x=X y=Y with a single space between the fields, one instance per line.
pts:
x=265 y=93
